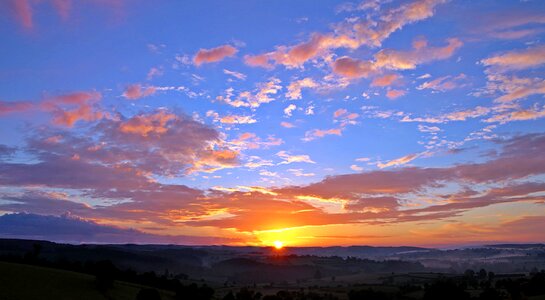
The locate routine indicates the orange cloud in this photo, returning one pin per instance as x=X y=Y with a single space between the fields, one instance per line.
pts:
x=205 y=56
x=69 y=108
x=147 y=124
x=66 y=109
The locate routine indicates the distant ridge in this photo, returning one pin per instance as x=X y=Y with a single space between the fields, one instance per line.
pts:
x=516 y=246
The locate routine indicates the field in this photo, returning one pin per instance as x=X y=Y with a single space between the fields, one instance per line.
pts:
x=22 y=282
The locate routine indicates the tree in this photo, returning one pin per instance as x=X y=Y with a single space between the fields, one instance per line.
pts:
x=490 y=294
x=148 y=294
x=105 y=272
x=318 y=274
x=445 y=290
x=482 y=274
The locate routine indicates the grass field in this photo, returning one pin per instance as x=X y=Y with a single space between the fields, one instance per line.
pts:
x=24 y=282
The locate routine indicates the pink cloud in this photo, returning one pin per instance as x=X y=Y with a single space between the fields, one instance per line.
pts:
x=63 y=7
x=368 y=197
x=204 y=56
x=136 y=91
x=70 y=108
x=257 y=61
x=444 y=83
x=385 y=80
x=394 y=94
x=66 y=109
x=24 y=9
x=287 y=124
x=319 y=133
x=14 y=107
x=404 y=60
x=147 y=124
x=23 y=12
x=517 y=60
x=352 y=68
x=350 y=35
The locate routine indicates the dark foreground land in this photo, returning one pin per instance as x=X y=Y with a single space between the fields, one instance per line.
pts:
x=45 y=270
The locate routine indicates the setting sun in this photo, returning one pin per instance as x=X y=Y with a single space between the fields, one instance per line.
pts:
x=278 y=245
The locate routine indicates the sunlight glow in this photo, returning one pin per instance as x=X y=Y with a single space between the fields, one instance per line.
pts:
x=278 y=245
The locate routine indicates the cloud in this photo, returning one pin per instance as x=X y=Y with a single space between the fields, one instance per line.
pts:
x=237 y=75
x=286 y=124
x=295 y=87
x=263 y=93
x=72 y=229
x=154 y=72
x=289 y=109
x=510 y=24
x=518 y=115
x=24 y=9
x=513 y=87
x=399 y=161
x=406 y=60
x=288 y=158
x=70 y=108
x=147 y=124
x=296 y=56
x=205 y=56
x=517 y=60
x=66 y=109
x=319 y=133
x=237 y=119
x=339 y=112
x=372 y=197
x=157 y=142
x=136 y=91
x=352 y=68
x=389 y=59
x=370 y=31
x=249 y=140
x=462 y=115
x=300 y=173
x=257 y=61
x=393 y=94
x=385 y=80
x=8 y=107
x=443 y=84
x=356 y=168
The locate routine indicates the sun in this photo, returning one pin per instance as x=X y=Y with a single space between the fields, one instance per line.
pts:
x=278 y=245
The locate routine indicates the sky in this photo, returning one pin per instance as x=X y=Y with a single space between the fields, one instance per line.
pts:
x=412 y=122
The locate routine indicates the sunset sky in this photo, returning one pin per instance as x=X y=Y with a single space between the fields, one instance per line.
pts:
x=313 y=123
